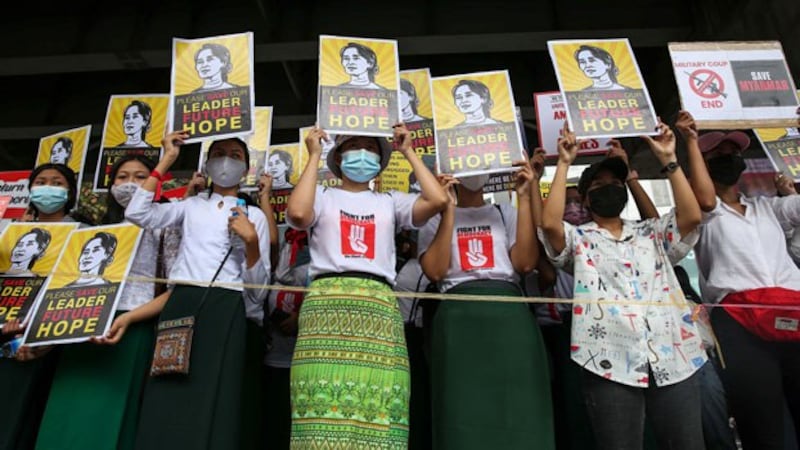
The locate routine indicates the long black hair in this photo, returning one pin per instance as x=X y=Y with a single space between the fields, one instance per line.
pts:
x=72 y=184
x=115 y=213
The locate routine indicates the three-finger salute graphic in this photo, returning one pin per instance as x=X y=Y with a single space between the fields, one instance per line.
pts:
x=475 y=253
x=358 y=235
x=475 y=248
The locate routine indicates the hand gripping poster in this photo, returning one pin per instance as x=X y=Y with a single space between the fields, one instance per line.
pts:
x=81 y=295
x=284 y=165
x=257 y=146
x=358 y=86
x=212 y=91
x=550 y=117
x=603 y=89
x=477 y=131
x=733 y=85
x=28 y=252
x=324 y=176
x=416 y=111
x=134 y=125
x=67 y=147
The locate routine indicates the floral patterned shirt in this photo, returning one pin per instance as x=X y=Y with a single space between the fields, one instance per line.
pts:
x=626 y=341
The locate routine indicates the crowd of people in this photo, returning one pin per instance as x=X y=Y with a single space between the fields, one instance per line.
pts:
x=624 y=361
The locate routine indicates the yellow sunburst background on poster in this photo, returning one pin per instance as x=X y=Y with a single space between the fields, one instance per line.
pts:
x=183 y=59
x=421 y=79
x=573 y=78
x=80 y=141
x=113 y=132
x=67 y=269
x=447 y=113
x=331 y=72
x=43 y=265
x=298 y=162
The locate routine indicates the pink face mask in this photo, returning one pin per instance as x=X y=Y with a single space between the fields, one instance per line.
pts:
x=576 y=214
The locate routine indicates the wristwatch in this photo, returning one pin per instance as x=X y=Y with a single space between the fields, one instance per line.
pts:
x=671 y=166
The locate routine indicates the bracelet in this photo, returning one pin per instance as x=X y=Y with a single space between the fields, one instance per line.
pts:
x=633 y=175
x=157 y=175
x=671 y=167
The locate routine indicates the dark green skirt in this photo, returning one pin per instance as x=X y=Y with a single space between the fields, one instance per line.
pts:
x=201 y=410
x=26 y=386
x=490 y=380
x=95 y=398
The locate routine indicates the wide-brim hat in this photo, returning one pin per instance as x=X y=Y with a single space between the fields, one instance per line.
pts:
x=709 y=141
x=615 y=165
x=383 y=143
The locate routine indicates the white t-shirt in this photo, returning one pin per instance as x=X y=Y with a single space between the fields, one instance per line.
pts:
x=354 y=231
x=481 y=245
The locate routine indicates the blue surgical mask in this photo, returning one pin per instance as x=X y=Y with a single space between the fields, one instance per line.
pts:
x=48 y=199
x=360 y=165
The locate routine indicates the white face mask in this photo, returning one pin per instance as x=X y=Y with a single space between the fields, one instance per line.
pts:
x=474 y=183
x=124 y=192
x=225 y=171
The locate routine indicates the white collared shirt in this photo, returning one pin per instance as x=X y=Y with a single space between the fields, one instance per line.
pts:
x=621 y=342
x=738 y=253
x=206 y=239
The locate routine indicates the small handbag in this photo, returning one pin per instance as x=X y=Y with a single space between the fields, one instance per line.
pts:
x=777 y=320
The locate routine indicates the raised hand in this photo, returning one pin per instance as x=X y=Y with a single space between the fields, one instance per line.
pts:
x=171 y=144
x=314 y=140
x=663 y=145
x=616 y=151
x=567 y=146
x=402 y=138
x=784 y=185
x=475 y=254
x=537 y=162
x=686 y=125
x=449 y=182
x=523 y=178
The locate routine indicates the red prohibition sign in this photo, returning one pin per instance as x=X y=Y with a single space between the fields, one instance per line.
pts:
x=707 y=83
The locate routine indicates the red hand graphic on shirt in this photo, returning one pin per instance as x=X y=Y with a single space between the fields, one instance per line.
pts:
x=357 y=236
x=475 y=249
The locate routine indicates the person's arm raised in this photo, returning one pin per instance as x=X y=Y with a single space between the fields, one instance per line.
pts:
x=687 y=210
x=553 y=216
x=525 y=252
x=435 y=262
x=433 y=199
x=647 y=210
x=700 y=181
x=300 y=207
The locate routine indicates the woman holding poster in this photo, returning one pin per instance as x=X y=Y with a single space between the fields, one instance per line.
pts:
x=108 y=420
x=350 y=379
x=478 y=248
x=53 y=189
x=203 y=410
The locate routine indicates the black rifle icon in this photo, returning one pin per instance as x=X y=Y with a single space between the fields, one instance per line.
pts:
x=712 y=86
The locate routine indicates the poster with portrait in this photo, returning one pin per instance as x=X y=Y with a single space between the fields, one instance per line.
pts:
x=550 y=117
x=81 y=295
x=604 y=90
x=477 y=131
x=257 y=145
x=67 y=147
x=212 y=86
x=14 y=184
x=416 y=111
x=358 y=85
x=324 y=176
x=285 y=163
x=500 y=182
x=733 y=85
x=28 y=252
x=782 y=146
x=134 y=126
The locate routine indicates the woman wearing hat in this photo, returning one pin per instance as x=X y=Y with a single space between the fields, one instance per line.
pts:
x=743 y=259
x=350 y=379
x=632 y=331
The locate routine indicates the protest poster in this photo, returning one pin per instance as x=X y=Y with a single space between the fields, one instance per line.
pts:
x=134 y=126
x=416 y=111
x=605 y=95
x=733 y=85
x=284 y=164
x=758 y=178
x=257 y=146
x=550 y=117
x=358 y=86
x=28 y=252
x=782 y=146
x=14 y=184
x=81 y=295
x=500 y=182
x=324 y=176
x=476 y=127
x=67 y=147
x=5 y=202
x=212 y=90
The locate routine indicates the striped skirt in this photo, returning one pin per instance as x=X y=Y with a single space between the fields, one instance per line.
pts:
x=350 y=381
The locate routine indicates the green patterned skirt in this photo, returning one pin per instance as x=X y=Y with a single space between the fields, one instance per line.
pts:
x=350 y=379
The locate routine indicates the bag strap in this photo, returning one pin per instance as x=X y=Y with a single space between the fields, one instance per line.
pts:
x=213 y=279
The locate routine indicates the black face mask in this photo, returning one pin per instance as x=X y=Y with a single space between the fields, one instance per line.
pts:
x=726 y=169
x=608 y=201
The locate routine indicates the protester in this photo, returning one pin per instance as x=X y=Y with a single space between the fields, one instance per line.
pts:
x=350 y=380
